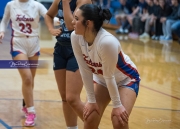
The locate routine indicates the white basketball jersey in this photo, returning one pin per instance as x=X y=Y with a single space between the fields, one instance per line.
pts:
x=108 y=63
x=25 y=17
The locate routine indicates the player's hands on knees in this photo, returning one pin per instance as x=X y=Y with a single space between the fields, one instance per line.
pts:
x=89 y=108
x=56 y=32
x=121 y=114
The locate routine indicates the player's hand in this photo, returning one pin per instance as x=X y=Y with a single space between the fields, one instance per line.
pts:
x=1 y=36
x=121 y=114
x=89 y=108
x=56 y=32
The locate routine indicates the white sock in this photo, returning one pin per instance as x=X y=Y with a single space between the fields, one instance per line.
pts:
x=75 y=127
x=31 y=109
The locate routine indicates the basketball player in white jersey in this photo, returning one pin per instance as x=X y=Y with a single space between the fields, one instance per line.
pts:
x=101 y=59
x=24 y=16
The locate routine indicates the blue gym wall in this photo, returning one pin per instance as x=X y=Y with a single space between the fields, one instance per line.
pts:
x=2 y=6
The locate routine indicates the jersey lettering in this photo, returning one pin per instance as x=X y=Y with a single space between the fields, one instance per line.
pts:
x=90 y=62
x=98 y=71
x=24 y=18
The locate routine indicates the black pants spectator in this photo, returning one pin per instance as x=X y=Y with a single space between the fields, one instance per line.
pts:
x=158 y=28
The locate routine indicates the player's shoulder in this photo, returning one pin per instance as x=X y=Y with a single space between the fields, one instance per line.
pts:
x=74 y=35
x=10 y=3
x=107 y=39
x=76 y=38
x=106 y=36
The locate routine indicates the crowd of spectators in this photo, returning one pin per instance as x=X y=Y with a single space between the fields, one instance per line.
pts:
x=145 y=19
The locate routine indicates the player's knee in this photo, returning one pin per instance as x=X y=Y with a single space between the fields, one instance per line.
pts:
x=92 y=120
x=117 y=124
x=71 y=99
x=63 y=96
x=28 y=81
x=64 y=101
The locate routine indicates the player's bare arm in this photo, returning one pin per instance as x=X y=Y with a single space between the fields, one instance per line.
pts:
x=68 y=16
x=52 y=12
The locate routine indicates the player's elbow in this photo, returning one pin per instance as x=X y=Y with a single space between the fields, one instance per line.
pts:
x=48 y=16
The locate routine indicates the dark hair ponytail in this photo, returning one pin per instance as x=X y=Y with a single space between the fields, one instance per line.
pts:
x=96 y=14
x=105 y=14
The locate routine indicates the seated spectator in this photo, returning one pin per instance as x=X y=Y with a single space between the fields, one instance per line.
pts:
x=114 y=6
x=105 y=3
x=176 y=29
x=134 y=2
x=126 y=9
x=95 y=2
x=135 y=19
x=169 y=20
x=156 y=2
x=148 y=18
x=162 y=10
x=157 y=26
x=102 y=3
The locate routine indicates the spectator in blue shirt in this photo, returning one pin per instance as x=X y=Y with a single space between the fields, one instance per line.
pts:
x=121 y=17
x=169 y=20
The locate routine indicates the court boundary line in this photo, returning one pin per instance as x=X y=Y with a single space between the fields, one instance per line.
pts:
x=5 y=125
x=160 y=92
x=58 y=101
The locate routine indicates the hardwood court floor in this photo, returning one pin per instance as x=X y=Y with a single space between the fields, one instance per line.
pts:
x=157 y=105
